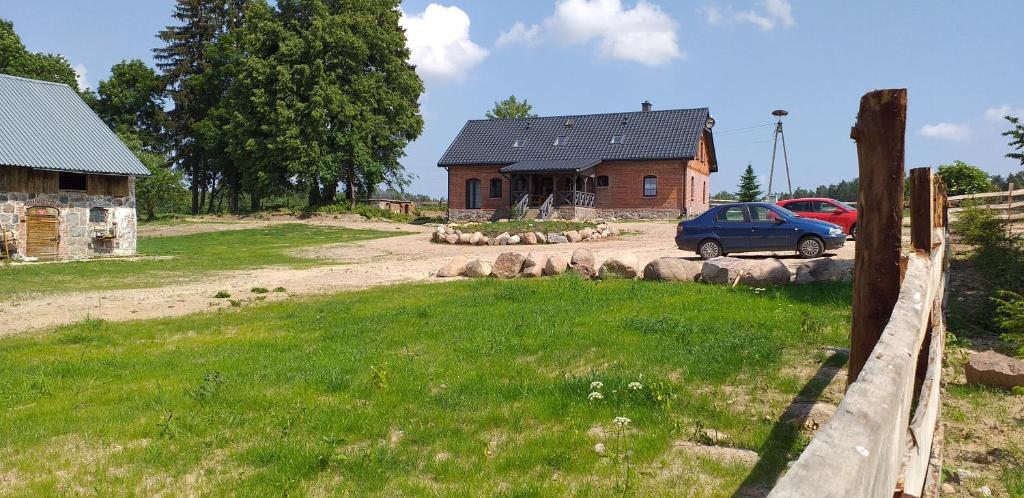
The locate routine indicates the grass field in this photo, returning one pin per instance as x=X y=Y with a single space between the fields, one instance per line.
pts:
x=475 y=388
x=181 y=257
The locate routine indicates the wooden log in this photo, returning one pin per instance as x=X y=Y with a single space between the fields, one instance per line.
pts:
x=941 y=205
x=922 y=211
x=880 y=131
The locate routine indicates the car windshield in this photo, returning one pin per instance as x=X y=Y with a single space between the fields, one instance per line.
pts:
x=845 y=206
x=785 y=212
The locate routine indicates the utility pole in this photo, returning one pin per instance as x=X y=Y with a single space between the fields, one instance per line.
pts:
x=779 y=113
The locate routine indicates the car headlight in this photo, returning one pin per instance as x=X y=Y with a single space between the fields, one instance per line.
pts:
x=835 y=231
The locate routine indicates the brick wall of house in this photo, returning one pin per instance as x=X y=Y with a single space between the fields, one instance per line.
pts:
x=625 y=190
x=457 y=177
x=698 y=175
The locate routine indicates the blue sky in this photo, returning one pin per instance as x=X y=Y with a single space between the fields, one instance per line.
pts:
x=742 y=58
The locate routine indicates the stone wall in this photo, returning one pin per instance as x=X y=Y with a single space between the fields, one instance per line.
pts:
x=639 y=214
x=77 y=240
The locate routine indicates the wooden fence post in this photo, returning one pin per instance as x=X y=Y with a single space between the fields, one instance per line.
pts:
x=1009 y=206
x=941 y=204
x=922 y=211
x=879 y=132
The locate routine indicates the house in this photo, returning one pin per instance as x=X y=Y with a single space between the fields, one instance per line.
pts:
x=67 y=183
x=394 y=205
x=646 y=164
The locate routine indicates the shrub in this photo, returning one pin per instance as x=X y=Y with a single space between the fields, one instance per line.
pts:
x=259 y=290
x=222 y=295
x=1010 y=318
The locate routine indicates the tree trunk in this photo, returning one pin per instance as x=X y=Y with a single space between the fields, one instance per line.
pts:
x=880 y=132
x=314 y=195
x=330 y=192
x=350 y=183
x=234 y=188
x=255 y=202
x=195 y=192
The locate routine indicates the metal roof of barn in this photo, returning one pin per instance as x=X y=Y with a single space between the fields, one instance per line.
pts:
x=668 y=134
x=47 y=126
x=551 y=165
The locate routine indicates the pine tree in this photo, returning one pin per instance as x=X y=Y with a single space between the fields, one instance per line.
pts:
x=750 y=189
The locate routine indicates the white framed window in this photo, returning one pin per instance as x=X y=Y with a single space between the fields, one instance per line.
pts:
x=559 y=140
x=650 y=186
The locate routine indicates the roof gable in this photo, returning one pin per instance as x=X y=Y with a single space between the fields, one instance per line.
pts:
x=46 y=125
x=668 y=134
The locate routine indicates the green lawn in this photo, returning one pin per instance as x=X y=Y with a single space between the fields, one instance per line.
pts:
x=184 y=256
x=476 y=388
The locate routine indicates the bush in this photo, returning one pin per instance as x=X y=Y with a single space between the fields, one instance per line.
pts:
x=366 y=211
x=1010 y=318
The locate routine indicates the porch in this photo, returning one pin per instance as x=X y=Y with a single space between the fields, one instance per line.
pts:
x=551 y=185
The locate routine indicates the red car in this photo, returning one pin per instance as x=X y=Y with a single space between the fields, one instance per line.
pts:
x=830 y=210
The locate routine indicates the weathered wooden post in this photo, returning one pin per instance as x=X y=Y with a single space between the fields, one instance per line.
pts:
x=879 y=132
x=922 y=230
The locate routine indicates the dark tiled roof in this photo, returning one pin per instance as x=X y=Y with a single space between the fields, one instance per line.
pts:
x=668 y=134
x=551 y=165
x=48 y=126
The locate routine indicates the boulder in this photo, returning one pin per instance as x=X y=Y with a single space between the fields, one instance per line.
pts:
x=451 y=238
x=465 y=238
x=824 y=270
x=557 y=238
x=757 y=272
x=453 y=268
x=492 y=242
x=477 y=268
x=514 y=240
x=484 y=240
x=529 y=238
x=503 y=239
x=582 y=263
x=555 y=265
x=573 y=236
x=625 y=266
x=508 y=265
x=533 y=265
x=672 y=270
x=587 y=233
x=541 y=238
x=476 y=238
x=993 y=369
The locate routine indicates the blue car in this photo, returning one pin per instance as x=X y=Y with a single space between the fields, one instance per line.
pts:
x=756 y=226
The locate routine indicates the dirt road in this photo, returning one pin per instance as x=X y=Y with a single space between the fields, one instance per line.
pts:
x=407 y=258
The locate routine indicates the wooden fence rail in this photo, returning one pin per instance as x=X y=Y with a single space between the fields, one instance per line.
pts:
x=1007 y=209
x=885 y=438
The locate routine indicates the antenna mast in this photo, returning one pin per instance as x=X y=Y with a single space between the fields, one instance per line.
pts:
x=779 y=113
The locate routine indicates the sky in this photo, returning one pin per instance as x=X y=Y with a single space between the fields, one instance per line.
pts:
x=960 y=62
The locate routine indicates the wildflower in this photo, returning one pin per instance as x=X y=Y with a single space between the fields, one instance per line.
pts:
x=636 y=386
x=621 y=421
x=595 y=395
x=596 y=384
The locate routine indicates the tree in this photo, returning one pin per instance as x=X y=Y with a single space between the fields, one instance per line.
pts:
x=159 y=191
x=1017 y=139
x=510 y=108
x=725 y=195
x=750 y=189
x=16 y=60
x=962 y=178
x=131 y=101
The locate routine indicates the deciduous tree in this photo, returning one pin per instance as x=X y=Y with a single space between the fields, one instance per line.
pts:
x=962 y=178
x=510 y=108
x=16 y=60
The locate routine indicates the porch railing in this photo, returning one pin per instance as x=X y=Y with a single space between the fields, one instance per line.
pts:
x=519 y=210
x=547 y=207
x=578 y=199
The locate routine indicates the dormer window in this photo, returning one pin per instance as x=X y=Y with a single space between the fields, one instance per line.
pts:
x=519 y=142
x=617 y=139
x=559 y=140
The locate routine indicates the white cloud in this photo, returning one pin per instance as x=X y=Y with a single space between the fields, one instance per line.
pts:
x=996 y=113
x=643 y=34
x=440 y=44
x=946 y=131
x=768 y=14
x=81 y=76
x=520 y=33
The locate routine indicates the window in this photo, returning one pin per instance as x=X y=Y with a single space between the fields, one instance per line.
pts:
x=473 y=200
x=97 y=215
x=825 y=207
x=519 y=142
x=602 y=180
x=71 y=181
x=559 y=140
x=798 y=206
x=705 y=195
x=693 y=189
x=732 y=214
x=650 y=186
x=762 y=214
x=617 y=139
x=495 y=188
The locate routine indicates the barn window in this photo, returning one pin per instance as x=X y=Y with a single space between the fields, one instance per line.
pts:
x=97 y=215
x=71 y=181
x=495 y=188
x=602 y=180
x=650 y=186
x=473 y=200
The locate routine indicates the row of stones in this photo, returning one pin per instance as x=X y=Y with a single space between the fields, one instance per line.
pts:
x=479 y=215
x=451 y=235
x=723 y=270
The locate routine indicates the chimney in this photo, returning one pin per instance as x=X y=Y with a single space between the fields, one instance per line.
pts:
x=646 y=106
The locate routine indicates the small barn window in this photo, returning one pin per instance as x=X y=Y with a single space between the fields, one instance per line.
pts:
x=602 y=180
x=70 y=181
x=97 y=215
x=495 y=188
x=650 y=186
x=473 y=200
x=559 y=140
x=617 y=139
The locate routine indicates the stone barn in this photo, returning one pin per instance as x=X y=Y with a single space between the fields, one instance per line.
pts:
x=644 y=164
x=67 y=182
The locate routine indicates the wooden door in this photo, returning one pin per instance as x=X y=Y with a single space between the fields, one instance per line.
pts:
x=43 y=234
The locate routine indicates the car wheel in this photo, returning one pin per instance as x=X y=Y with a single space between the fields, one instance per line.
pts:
x=853 y=232
x=710 y=249
x=810 y=247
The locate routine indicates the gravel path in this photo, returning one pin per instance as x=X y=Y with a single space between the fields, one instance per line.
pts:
x=408 y=258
